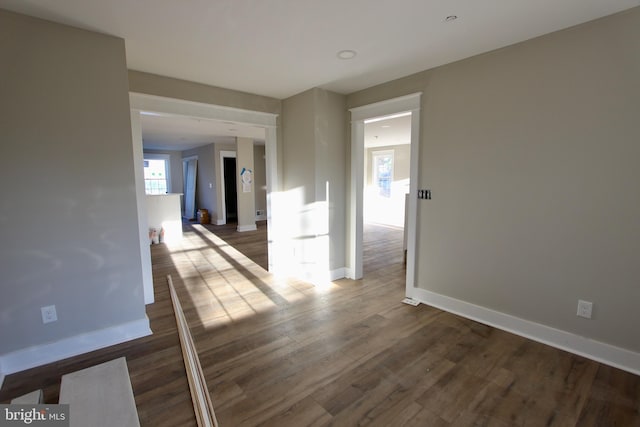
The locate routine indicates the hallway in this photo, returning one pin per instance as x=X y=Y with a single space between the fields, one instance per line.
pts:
x=282 y=352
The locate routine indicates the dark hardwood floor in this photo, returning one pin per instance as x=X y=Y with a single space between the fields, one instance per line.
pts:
x=281 y=352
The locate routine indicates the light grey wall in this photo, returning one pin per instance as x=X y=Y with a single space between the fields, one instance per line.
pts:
x=206 y=177
x=68 y=214
x=175 y=160
x=298 y=135
x=531 y=152
x=260 y=175
x=246 y=201
x=153 y=84
x=313 y=161
x=330 y=135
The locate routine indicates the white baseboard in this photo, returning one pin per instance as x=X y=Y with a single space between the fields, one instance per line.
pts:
x=251 y=227
x=322 y=278
x=338 y=273
x=51 y=352
x=310 y=276
x=601 y=352
x=220 y=222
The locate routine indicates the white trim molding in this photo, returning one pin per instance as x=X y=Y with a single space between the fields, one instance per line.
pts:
x=68 y=347
x=250 y=227
x=141 y=205
x=408 y=103
x=322 y=278
x=269 y=121
x=222 y=214
x=181 y=107
x=386 y=107
x=600 y=352
x=167 y=167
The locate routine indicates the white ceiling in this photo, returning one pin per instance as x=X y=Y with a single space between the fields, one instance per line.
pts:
x=279 y=48
x=179 y=133
x=390 y=131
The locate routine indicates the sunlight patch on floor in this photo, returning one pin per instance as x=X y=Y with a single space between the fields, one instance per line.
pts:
x=224 y=285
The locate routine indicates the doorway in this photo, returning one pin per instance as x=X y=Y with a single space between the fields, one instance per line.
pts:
x=408 y=105
x=230 y=189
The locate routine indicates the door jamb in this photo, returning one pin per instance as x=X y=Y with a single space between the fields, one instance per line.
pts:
x=172 y=106
x=405 y=103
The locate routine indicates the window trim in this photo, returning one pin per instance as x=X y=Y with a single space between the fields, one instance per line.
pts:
x=167 y=166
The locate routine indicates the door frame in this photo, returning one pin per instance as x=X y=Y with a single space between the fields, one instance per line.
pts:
x=359 y=115
x=171 y=106
x=223 y=204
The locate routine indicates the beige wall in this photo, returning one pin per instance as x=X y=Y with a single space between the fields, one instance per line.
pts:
x=532 y=155
x=314 y=126
x=330 y=180
x=153 y=84
x=246 y=200
x=299 y=144
x=68 y=215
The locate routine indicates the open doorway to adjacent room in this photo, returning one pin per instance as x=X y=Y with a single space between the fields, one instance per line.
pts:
x=384 y=176
x=387 y=145
x=228 y=187
x=179 y=130
x=387 y=160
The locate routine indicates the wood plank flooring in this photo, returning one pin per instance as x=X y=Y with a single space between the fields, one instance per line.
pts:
x=280 y=352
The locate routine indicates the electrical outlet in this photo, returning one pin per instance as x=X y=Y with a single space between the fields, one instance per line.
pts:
x=49 y=314
x=585 y=308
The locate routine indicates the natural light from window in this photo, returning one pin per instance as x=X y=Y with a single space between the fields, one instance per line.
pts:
x=155 y=176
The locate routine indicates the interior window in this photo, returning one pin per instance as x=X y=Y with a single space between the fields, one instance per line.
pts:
x=155 y=176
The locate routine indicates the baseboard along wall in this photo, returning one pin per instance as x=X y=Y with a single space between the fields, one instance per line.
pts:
x=595 y=350
x=43 y=354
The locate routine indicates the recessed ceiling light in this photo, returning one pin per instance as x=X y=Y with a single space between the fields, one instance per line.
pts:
x=346 y=54
x=451 y=18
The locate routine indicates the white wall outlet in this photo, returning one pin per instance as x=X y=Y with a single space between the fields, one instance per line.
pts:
x=49 y=314
x=585 y=308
